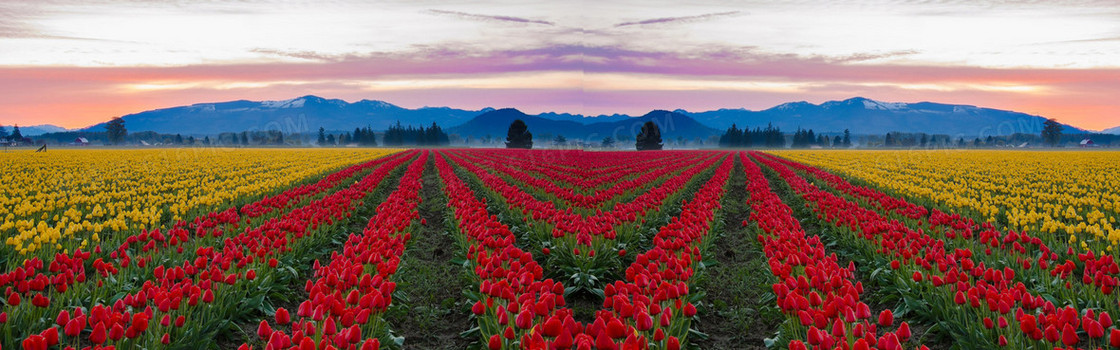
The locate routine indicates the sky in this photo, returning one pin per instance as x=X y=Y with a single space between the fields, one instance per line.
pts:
x=75 y=63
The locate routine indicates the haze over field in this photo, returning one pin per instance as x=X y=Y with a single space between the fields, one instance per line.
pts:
x=77 y=63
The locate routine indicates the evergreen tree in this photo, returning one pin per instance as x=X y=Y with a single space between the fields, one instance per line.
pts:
x=322 y=136
x=608 y=142
x=179 y=138
x=116 y=131
x=888 y=141
x=847 y=139
x=519 y=136
x=3 y=132
x=244 y=138
x=16 y=134
x=330 y=139
x=206 y=141
x=734 y=138
x=925 y=140
x=837 y=141
x=649 y=138
x=1052 y=132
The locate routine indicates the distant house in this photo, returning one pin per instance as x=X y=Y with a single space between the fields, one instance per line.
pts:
x=1088 y=143
x=81 y=141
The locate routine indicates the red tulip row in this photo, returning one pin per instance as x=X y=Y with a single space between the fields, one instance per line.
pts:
x=66 y=270
x=510 y=281
x=820 y=298
x=578 y=168
x=579 y=200
x=350 y=292
x=586 y=177
x=654 y=304
x=1029 y=252
x=566 y=222
x=943 y=278
x=517 y=309
x=203 y=288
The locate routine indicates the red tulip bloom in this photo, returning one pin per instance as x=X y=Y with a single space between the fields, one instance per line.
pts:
x=796 y=345
x=99 y=334
x=904 y=331
x=495 y=342
x=282 y=316
x=264 y=330
x=1069 y=335
x=886 y=318
x=673 y=343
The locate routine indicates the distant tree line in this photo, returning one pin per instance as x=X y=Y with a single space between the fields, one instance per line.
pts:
x=772 y=137
x=430 y=136
x=15 y=136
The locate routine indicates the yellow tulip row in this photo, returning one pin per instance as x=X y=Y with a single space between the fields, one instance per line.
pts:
x=1074 y=193
x=69 y=198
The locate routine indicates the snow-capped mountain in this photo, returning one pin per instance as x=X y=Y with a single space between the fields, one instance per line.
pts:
x=299 y=115
x=867 y=116
x=859 y=115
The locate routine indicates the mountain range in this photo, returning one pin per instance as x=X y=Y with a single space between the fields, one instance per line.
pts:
x=35 y=130
x=299 y=115
x=860 y=115
x=1114 y=131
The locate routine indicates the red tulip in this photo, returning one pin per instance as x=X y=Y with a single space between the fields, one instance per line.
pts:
x=673 y=343
x=886 y=318
x=73 y=328
x=1069 y=335
x=264 y=330
x=903 y=331
x=796 y=345
x=99 y=334
x=282 y=316
x=495 y=342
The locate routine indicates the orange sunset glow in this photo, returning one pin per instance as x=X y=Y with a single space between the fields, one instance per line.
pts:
x=75 y=64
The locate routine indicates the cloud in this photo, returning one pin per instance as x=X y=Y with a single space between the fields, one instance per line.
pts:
x=489 y=18
x=685 y=19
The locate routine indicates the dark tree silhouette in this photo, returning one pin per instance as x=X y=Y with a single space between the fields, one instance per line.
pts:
x=322 y=136
x=608 y=142
x=847 y=138
x=519 y=135
x=649 y=139
x=1052 y=132
x=116 y=131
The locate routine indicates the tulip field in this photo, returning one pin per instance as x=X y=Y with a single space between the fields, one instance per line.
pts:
x=550 y=249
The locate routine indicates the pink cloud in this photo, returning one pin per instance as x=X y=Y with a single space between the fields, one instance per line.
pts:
x=74 y=97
